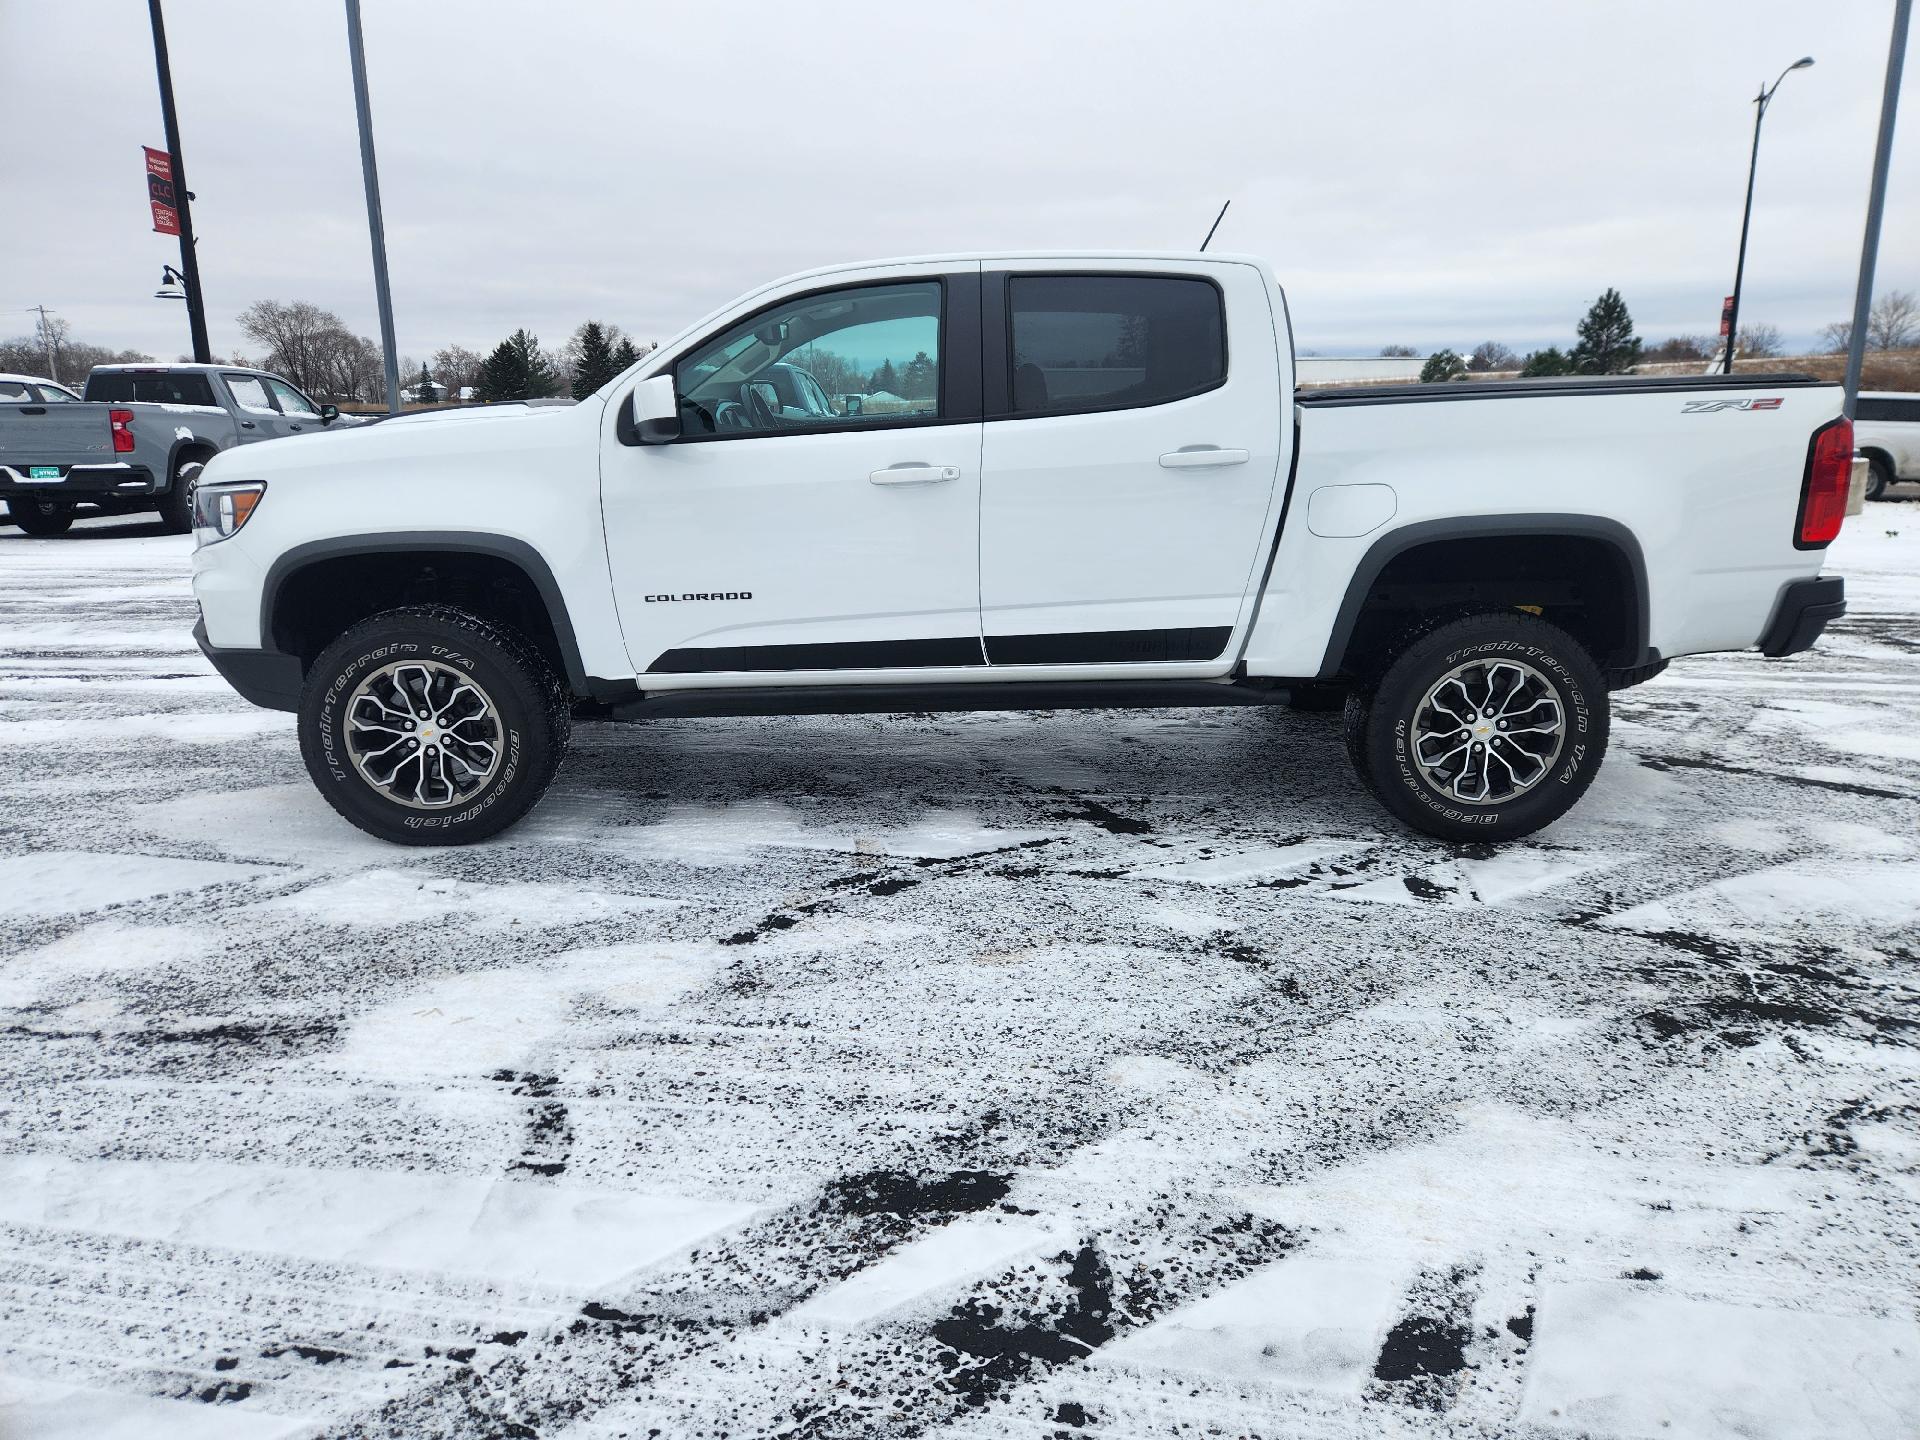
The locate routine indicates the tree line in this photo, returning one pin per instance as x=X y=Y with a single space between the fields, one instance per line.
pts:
x=1606 y=343
x=317 y=351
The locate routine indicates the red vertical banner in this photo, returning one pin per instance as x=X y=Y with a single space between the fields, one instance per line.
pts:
x=1726 y=315
x=166 y=213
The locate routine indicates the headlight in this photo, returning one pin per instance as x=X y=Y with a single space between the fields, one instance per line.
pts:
x=220 y=510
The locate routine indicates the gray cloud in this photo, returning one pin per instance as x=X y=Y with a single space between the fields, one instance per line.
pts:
x=1415 y=173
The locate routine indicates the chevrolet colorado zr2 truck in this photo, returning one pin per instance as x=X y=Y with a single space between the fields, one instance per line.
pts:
x=1014 y=482
x=139 y=440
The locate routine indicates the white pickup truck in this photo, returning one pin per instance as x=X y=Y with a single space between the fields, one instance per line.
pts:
x=1015 y=482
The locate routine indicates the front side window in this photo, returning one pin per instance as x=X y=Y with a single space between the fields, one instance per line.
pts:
x=295 y=405
x=858 y=357
x=249 y=394
x=14 y=390
x=1109 y=342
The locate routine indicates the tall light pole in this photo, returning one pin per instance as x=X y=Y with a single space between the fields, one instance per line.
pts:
x=183 y=202
x=1876 y=201
x=1761 y=101
x=357 y=54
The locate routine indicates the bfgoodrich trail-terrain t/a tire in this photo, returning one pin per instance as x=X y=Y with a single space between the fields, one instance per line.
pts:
x=1485 y=728
x=431 y=726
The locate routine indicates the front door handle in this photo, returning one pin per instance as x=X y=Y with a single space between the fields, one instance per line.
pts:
x=1196 y=457
x=915 y=474
x=246 y=424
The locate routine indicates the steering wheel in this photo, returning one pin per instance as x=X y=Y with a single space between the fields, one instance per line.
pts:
x=728 y=415
x=760 y=414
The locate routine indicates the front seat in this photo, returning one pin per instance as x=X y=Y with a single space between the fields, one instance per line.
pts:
x=1029 y=388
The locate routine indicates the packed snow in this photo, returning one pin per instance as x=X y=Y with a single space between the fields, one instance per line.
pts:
x=1117 y=1074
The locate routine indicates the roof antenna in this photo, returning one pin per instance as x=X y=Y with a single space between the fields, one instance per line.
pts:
x=1216 y=225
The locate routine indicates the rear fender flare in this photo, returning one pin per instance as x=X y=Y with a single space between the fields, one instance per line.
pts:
x=1475 y=527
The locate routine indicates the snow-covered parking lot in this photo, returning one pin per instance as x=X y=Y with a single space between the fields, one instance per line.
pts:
x=1106 y=1074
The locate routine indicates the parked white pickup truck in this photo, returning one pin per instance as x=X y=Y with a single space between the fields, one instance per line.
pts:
x=1887 y=432
x=1015 y=482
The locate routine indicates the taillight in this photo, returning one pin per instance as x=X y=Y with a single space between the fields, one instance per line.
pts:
x=120 y=420
x=1823 y=493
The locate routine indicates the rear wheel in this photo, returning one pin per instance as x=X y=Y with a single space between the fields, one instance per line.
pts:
x=431 y=726
x=1486 y=728
x=1879 y=478
x=176 y=506
x=41 y=517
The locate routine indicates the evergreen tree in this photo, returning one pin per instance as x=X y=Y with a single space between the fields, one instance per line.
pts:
x=516 y=370
x=885 y=378
x=921 y=377
x=425 y=392
x=624 y=355
x=1607 y=345
x=1443 y=365
x=593 y=360
x=1546 y=362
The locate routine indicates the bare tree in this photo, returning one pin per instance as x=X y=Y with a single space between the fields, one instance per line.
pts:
x=1758 y=342
x=1894 y=321
x=1892 y=324
x=27 y=355
x=1397 y=352
x=299 y=339
x=456 y=368
x=1492 y=355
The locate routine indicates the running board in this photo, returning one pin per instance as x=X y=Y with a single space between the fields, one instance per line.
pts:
x=939 y=699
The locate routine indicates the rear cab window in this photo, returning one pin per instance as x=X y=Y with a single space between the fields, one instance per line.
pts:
x=1888 y=409
x=155 y=388
x=1081 y=343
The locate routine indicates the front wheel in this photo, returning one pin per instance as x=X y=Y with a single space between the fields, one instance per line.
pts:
x=432 y=726
x=1486 y=728
x=41 y=517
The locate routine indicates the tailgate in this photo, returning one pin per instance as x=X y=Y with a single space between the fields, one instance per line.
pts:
x=63 y=434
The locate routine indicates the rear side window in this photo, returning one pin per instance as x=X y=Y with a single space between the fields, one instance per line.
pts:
x=1884 y=410
x=164 y=388
x=1111 y=342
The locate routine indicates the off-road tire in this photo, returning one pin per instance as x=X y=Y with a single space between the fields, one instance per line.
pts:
x=533 y=716
x=1380 y=720
x=176 y=506
x=1879 y=479
x=41 y=517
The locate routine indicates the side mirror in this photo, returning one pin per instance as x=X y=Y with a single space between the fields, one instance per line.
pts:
x=650 y=415
x=329 y=414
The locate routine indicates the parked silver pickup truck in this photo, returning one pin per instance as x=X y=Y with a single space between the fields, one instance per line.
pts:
x=139 y=440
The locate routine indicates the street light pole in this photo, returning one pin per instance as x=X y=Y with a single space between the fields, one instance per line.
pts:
x=1761 y=101
x=189 y=262
x=356 y=52
x=1876 y=202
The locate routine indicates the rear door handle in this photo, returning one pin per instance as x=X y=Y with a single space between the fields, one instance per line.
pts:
x=1196 y=457
x=915 y=474
x=246 y=424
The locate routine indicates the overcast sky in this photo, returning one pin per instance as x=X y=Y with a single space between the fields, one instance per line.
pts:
x=1416 y=173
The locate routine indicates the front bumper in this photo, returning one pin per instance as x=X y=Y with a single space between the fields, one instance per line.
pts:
x=1801 y=613
x=79 y=482
x=267 y=678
